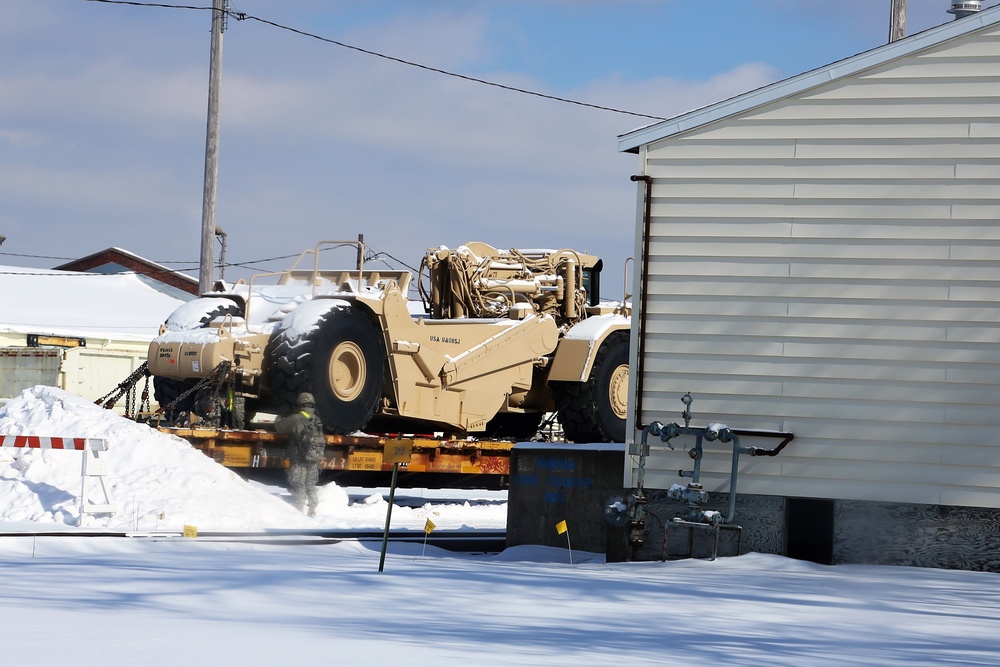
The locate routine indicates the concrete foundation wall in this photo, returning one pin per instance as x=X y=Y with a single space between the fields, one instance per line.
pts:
x=858 y=532
x=959 y=538
x=553 y=483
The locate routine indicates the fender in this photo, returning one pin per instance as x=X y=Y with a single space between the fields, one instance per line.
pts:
x=574 y=358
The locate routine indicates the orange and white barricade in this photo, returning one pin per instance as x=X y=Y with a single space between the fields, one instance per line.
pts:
x=93 y=466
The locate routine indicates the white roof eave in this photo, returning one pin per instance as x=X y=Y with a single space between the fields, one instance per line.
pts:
x=631 y=141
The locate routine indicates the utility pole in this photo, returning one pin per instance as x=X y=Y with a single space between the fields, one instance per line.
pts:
x=897 y=20
x=206 y=265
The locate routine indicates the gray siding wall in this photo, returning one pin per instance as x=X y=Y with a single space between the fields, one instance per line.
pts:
x=829 y=265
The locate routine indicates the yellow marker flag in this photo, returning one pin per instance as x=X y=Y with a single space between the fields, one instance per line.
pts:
x=190 y=531
x=429 y=526
x=561 y=527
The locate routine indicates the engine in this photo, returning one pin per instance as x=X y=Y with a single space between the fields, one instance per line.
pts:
x=478 y=281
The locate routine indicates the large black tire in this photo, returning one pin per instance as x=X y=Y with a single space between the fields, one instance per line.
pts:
x=595 y=410
x=199 y=313
x=196 y=314
x=341 y=362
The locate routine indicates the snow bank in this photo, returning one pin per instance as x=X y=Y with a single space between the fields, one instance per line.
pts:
x=161 y=482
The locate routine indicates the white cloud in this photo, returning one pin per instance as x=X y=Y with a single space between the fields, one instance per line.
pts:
x=318 y=142
x=108 y=91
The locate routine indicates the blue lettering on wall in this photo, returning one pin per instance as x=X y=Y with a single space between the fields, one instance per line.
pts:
x=557 y=464
x=570 y=482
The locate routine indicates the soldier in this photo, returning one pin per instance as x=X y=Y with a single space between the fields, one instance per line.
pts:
x=233 y=409
x=306 y=448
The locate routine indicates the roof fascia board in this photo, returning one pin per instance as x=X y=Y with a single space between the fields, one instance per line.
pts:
x=630 y=142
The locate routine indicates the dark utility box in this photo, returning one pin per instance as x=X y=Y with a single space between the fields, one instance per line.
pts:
x=554 y=482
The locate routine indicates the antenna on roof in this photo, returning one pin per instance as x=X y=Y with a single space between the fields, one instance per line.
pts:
x=966 y=8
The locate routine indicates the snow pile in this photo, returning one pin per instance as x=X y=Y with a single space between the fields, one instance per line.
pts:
x=160 y=482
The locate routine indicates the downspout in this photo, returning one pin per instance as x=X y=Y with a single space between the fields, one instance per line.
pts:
x=643 y=274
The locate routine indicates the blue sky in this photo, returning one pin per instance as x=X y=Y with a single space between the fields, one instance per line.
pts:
x=102 y=118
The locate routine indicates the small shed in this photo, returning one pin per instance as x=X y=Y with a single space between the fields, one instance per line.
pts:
x=822 y=257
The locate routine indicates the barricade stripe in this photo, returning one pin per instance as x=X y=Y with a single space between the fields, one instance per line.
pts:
x=42 y=442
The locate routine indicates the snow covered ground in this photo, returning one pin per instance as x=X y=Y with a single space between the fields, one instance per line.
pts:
x=194 y=601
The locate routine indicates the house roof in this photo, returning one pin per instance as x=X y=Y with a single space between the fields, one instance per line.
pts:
x=118 y=258
x=631 y=141
x=92 y=305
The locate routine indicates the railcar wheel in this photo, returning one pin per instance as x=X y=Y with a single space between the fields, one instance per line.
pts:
x=595 y=410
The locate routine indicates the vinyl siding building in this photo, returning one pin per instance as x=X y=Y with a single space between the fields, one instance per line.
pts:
x=822 y=256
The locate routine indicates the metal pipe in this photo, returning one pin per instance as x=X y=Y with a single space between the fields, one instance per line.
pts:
x=221 y=235
x=654 y=428
x=731 y=514
x=786 y=437
x=694 y=494
x=637 y=505
x=569 y=276
x=713 y=432
x=697 y=453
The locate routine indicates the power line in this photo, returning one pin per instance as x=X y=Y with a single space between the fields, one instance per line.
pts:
x=161 y=5
x=14 y=254
x=65 y=274
x=379 y=254
x=446 y=72
x=241 y=16
x=186 y=264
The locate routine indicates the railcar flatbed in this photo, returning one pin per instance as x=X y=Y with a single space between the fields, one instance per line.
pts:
x=250 y=449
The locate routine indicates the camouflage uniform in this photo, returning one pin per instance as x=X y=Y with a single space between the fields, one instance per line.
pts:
x=302 y=475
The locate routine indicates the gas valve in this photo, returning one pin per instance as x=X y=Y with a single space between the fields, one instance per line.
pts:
x=692 y=494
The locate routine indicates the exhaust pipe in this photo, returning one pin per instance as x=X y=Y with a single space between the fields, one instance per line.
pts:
x=965 y=8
